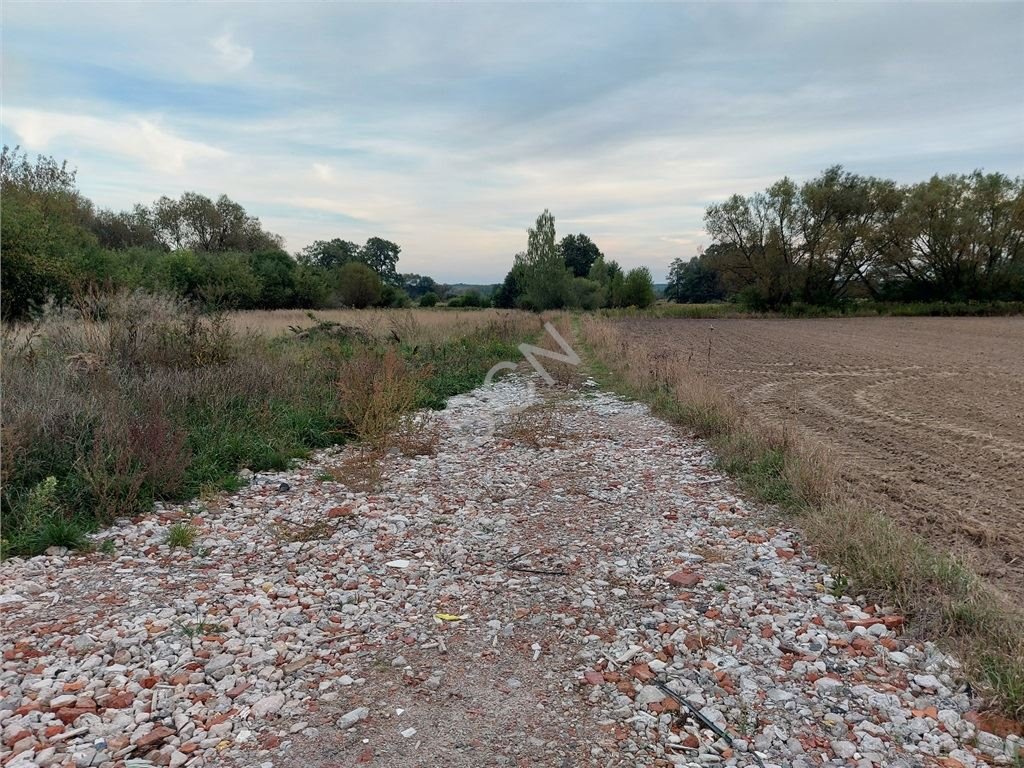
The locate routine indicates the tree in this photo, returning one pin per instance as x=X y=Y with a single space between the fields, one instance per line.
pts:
x=197 y=223
x=957 y=238
x=507 y=296
x=428 y=299
x=546 y=280
x=579 y=253
x=638 y=288
x=693 y=282
x=41 y=230
x=418 y=285
x=358 y=285
x=329 y=254
x=275 y=271
x=312 y=286
x=381 y=256
x=609 y=276
x=586 y=293
x=232 y=281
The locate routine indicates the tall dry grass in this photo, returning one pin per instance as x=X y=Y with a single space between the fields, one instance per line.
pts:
x=412 y=326
x=123 y=399
x=941 y=597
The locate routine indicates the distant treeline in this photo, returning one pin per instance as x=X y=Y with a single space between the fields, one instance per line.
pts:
x=56 y=243
x=841 y=236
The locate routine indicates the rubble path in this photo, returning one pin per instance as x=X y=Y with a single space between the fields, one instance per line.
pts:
x=584 y=592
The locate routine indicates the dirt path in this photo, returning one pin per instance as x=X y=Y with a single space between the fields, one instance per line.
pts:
x=509 y=599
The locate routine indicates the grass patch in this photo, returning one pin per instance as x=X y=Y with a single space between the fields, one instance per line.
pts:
x=127 y=399
x=870 y=553
x=181 y=535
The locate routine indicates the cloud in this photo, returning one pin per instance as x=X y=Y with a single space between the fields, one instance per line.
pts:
x=323 y=171
x=233 y=55
x=140 y=139
x=449 y=128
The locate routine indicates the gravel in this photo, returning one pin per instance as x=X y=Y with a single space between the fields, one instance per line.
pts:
x=506 y=600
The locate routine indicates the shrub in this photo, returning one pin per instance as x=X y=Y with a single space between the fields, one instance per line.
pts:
x=428 y=299
x=375 y=388
x=358 y=286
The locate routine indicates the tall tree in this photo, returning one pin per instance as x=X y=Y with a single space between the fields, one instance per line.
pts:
x=579 y=253
x=693 y=282
x=329 y=254
x=546 y=280
x=382 y=257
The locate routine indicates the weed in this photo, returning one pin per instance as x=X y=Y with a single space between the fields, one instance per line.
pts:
x=181 y=535
x=415 y=435
x=108 y=547
x=374 y=389
x=360 y=471
x=840 y=585
x=200 y=628
x=288 y=531
x=534 y=426
x=130 y=398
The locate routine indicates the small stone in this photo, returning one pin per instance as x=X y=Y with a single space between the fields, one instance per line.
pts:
x=353 y=717
x=268 y=706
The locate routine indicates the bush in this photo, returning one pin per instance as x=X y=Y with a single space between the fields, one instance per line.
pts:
x=638 y=288
x=428 y=299
x=358 y=286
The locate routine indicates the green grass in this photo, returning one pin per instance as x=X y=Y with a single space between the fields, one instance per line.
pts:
x=181 y=535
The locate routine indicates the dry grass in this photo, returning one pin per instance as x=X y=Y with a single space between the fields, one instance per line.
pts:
x=942 y=597
x=411 y=326
x=375 y=387
x=361 y=471
x=126 y=398
x=417 y=434
x=534 y=426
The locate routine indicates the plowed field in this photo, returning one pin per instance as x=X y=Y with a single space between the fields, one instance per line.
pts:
x=925 y=415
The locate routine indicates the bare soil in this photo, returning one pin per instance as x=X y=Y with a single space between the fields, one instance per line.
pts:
x=924 y=415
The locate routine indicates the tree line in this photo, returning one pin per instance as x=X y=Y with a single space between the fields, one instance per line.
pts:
x=842 y=236
x=56 y=243
x=569 y=273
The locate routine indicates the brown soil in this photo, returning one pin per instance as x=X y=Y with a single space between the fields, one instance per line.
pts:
x=925 y=415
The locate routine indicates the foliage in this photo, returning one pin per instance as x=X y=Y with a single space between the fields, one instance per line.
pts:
x=417 y=286
x=546 y=280
x=358 y=285
x=469 y=299
x=579 y=253
x=428 y=299
x=693 y=282
x=637 y=288
x=378 y=254
x=57 y=244
x=507 y=296
x=840 y=236
x=195 y=222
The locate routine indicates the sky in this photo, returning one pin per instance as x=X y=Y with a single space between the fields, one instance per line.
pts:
x=448 y=128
